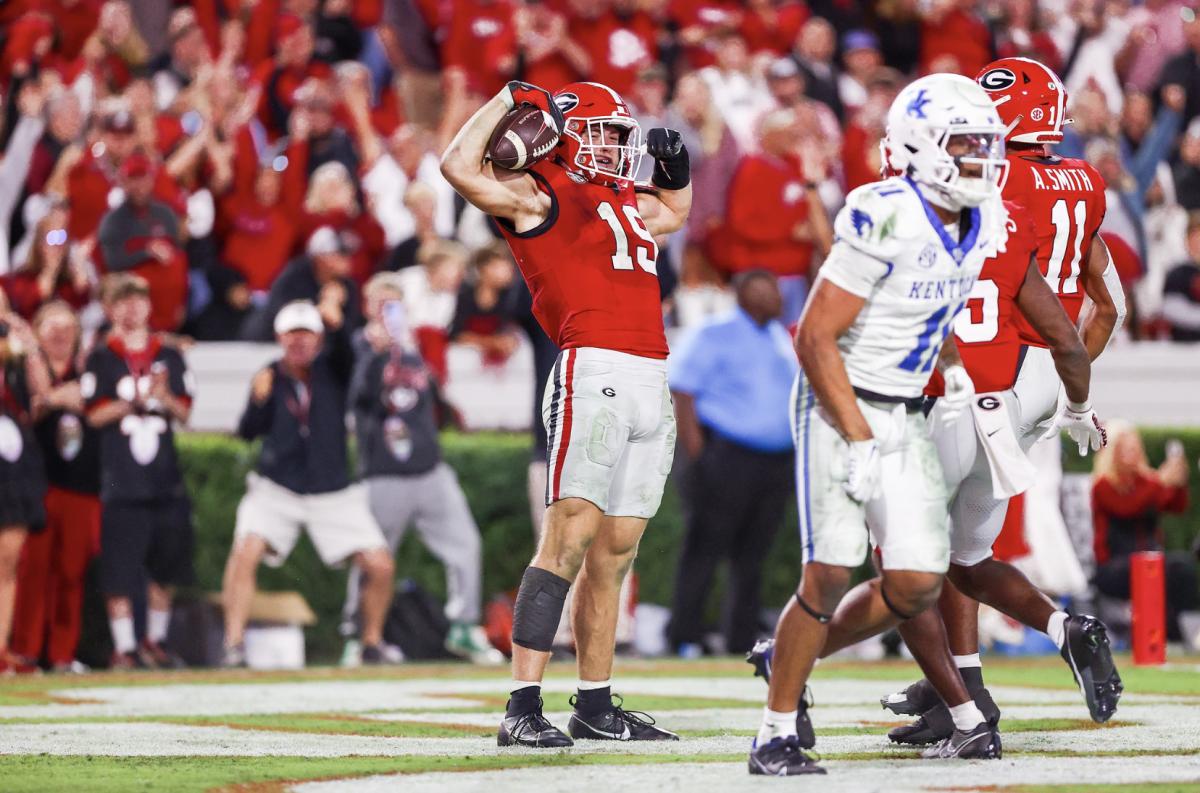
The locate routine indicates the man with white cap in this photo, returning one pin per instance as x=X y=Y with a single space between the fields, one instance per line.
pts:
x=321 y=276
x=297 y=406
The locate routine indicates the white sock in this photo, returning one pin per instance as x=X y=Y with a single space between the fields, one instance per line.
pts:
x=517 y=685
x=966 y=661
x=157 y=623
x=776 y=724
x=124 y=640
x=967 y=716
x=592 y=685
x=1056 y=628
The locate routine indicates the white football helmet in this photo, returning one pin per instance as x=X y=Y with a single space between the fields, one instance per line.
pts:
x=940 y=126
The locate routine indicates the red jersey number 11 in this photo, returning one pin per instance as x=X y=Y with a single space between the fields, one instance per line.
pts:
x=1065 y=281
x=647 y=254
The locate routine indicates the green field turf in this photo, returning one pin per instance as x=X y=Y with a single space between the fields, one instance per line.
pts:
x=1173 y=683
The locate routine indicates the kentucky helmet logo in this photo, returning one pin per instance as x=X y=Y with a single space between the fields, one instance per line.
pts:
x=916 y=108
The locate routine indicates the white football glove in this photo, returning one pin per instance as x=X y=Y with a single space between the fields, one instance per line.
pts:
x=1080 y=422
x=862 y=470
x=960 y=390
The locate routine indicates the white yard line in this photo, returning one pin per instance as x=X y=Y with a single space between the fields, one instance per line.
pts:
x=1151 y=724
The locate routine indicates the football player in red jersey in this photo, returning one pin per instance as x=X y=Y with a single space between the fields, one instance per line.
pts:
x=1062 y=203
x=583 y=237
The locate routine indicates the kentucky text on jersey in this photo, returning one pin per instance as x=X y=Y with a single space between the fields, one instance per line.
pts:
x=1061 y=179
x=942 y=289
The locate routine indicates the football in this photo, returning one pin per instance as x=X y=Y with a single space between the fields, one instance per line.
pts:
x=524 y=136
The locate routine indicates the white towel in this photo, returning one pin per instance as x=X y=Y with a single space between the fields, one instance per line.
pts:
x=1012 y=473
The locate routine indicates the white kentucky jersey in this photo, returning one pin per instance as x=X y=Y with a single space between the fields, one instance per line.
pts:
x=894 y=251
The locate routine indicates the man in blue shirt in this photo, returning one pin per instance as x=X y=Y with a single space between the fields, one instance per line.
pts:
x=731 y=379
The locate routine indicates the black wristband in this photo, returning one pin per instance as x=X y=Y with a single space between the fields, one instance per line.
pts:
x=673 y=173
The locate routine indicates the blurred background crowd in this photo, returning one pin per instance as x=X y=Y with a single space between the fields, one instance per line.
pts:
x=239 y=155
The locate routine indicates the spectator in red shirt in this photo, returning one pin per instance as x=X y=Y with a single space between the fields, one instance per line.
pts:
x=955 y=39
x=1127 y=498
x=479 y=48
x=144 y=235
x=771 y=26
x=620 y=41
x=332 y=202
x=54 y=562
x=860 y=144
x=702 y=23
x=256 y=230
x=278 y=78
x=74 y=22
x=775 y=219
x=549 y=56
x=114 y=51
x=1019 y=34
x=55 y=269
x=92 y=178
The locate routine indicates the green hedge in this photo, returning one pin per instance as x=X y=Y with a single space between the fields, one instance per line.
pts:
x=492 y=469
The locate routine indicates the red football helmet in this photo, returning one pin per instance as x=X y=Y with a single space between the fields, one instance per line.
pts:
x=592 y=112
x=1030 y=98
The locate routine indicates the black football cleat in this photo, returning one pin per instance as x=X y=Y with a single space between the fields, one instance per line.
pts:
x=932 y=726
x=616 y=724
x=782 y=757
x=1086 y=650
x=531 y=729
x=912 y=701
x=936 y=724
x=981 y=743
x=761 y=657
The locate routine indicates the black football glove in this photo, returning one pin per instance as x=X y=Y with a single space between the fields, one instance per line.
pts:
x=672 y=167
x=520 y=93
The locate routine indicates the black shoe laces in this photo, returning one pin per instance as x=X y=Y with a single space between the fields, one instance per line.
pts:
x=532 y=720
x=631 y=717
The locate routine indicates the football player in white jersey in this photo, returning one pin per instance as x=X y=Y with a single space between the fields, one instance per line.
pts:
x=908 y=252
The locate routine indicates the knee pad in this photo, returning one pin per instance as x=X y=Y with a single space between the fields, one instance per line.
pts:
x=538 y=608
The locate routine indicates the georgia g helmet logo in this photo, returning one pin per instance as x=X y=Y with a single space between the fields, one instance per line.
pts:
x=997 y=80
x=566 y=101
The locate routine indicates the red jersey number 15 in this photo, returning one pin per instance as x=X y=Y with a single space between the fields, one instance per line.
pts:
x=647 y=249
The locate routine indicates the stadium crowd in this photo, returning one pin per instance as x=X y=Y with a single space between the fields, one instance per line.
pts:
x=238 y=156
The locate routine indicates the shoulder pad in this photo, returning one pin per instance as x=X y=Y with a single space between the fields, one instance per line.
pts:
x=872 y=219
